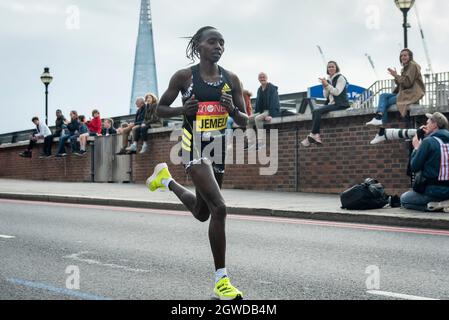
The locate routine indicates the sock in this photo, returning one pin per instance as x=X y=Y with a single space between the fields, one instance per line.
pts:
x=166 y=182
x=379 y=116
x=83 y=148
x=382 y=132
x=220 y=274
x=134 y=144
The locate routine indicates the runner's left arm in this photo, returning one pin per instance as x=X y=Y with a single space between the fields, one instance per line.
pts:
x=235 y=103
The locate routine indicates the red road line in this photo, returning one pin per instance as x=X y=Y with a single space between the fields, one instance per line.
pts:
x=244 y=218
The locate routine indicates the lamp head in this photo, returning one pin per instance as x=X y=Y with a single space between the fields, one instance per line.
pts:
x=46 y=77
x=404 y=5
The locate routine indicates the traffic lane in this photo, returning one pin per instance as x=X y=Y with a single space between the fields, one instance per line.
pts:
x=271 y=260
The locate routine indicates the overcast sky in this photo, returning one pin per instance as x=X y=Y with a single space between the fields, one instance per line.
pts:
x=92 y=65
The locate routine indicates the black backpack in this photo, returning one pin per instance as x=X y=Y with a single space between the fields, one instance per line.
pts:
x=366 y=196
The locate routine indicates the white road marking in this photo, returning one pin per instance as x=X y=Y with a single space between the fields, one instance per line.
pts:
x=76 y=257
x=67 y=292
x=398 y=295
x=6 y=237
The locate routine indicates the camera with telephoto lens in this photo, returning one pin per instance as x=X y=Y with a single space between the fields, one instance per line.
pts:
x=421 y=134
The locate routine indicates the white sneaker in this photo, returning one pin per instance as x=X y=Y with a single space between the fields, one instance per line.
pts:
x=437 y=206
x=375 y=123
x=132 y=148
x=378 y=139
x=306 y=143
x=144 y=149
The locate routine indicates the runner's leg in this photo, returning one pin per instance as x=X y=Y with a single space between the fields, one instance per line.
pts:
x=209 y=203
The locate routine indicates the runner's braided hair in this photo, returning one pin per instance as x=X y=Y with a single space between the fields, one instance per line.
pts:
x=192 y=48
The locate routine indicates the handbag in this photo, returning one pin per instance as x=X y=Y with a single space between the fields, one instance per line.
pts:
x=420 y=183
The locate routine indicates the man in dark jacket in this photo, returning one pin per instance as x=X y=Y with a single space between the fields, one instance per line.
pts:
x=431 y=160
x=267 y=107
x=59 y=123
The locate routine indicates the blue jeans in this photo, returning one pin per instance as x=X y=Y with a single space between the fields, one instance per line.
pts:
x=74 y=142
x=386 y=100
x=416 y=201
x=62 y=140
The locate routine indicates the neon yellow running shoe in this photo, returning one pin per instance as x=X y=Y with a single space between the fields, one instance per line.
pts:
x=224 y=290
x=160 y=173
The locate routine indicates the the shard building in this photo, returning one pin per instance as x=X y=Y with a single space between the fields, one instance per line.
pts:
x=145 y=78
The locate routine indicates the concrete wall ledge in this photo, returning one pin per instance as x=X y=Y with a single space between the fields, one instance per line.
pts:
x=41 y=141
x=415 y=110
x=26 y=142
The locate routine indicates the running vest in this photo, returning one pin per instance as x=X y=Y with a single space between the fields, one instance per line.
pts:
x=210 y=122
x=211 y=116
x=444 y=167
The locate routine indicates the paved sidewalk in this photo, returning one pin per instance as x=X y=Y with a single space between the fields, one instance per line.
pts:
x=262 y=203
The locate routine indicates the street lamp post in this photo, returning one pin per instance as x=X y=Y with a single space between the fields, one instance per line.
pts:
x=405 y=6
x=46 y=80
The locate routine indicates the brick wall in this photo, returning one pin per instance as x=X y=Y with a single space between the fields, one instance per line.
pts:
x=71 y=168
x=345 y=159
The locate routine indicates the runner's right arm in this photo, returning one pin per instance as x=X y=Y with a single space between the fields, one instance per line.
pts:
x=177 y=84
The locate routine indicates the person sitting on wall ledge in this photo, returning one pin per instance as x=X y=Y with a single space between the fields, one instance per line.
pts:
x=72 y=129
x=409 y=90
x=122 y=127
x=42 y=131
x=430 y=160
x=132 y=127
x=151 y=120
x=336 y=93
x=83 y=135
x=108 y=128
x=267 y=107
x=94 y=124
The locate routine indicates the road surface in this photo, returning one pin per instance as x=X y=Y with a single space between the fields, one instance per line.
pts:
x=124 y=253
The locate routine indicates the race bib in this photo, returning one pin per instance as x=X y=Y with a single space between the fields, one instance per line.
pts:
x=211 y=116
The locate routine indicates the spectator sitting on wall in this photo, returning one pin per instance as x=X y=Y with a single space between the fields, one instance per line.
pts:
x=409 y=90
x=58 y=123
x=72 y=129
x=60 y=126
x=151 y=120
x=336 y=93
x=42 y=131
x=94 y=124
x=123 y=126
x=430 y=160
x=139 y=118
x=267 y=107
x=108 y=128
x=83 y=135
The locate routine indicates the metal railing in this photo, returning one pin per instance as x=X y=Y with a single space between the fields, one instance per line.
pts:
x=437 y=92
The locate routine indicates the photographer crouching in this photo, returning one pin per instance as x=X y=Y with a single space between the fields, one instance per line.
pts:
x=430 y=162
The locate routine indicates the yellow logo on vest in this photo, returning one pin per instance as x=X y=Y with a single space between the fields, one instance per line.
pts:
x=226 y=88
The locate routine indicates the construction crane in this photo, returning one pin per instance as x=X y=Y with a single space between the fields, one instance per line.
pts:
x=429 y=69
x=371 y=62
x=322 y=55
